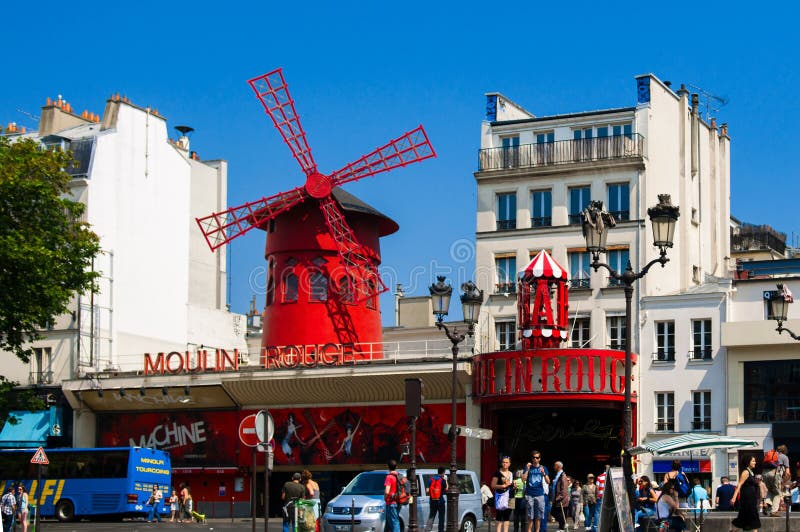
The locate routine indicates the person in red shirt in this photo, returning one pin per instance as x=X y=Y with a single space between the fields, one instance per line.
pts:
x=389 y=490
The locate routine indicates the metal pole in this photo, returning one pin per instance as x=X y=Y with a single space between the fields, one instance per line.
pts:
x=413 y=525
x=452 y=482
x=266 y=490
x=627 y=411
x=253 y=490
x=39 y=501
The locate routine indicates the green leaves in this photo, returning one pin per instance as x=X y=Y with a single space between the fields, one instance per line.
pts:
x=45 y=249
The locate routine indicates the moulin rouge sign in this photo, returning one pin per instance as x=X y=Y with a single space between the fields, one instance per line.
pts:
x=222 y=360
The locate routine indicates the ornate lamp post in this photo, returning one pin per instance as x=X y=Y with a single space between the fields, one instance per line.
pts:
x=471 y=300
x=779 y=301
x=596 y=222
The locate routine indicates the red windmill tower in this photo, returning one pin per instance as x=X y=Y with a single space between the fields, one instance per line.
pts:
x=310 y=237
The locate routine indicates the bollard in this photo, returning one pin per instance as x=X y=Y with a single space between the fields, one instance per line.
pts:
x=233 y=505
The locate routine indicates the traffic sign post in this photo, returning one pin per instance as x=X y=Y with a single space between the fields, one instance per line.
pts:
x=39 y=458
x=265 y=430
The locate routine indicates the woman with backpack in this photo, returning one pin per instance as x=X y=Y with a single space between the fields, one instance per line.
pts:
x=682 y=485
x=748 y=494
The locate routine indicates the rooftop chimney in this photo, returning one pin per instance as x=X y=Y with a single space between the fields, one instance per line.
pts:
x=57 y=116
x=683 y=91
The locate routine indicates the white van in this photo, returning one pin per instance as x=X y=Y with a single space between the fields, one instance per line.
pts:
x=364 y=494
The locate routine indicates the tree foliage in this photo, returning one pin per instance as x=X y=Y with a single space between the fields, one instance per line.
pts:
x=46 y=250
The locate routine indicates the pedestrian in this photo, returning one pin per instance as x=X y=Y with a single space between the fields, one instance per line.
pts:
x=8 y=505
x=559 y=495
x=536 y=478
x=22 y=507
x=155 y=504
x=436 y=489
x=748 y=494
x=389 y=496
x=487 y=502
x=292 y=491
x=576 y=507
x=722 y=501
x=762 y=493
x=520 y=507
x=173 y=505
x=589 y=501
x=601 y=487
x=776 y=475
x=698 y=498
x=502 y=482
x=186 y=501
x=668 y=507
x=312 y=490
x=645 y=500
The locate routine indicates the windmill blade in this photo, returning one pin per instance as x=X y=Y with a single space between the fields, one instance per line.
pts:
x=358 y=266
x=222 y=227
x=412 y=147
x=273 y=93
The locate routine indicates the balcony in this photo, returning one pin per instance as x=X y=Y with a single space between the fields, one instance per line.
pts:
x=505 y=288
x=562 y=152
x=618 y=346
x=621 y=216
x=579 y=283
x=703 y=424
x=700 y=353
x=505 y=225
x=541 y=221
x=665 y=426
x=40 y=377
x=664 y=355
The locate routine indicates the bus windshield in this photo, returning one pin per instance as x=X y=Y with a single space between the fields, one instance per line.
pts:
x=88 y=482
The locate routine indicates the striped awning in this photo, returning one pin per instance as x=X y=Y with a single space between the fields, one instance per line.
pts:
x=543 y=265
x=688 y=442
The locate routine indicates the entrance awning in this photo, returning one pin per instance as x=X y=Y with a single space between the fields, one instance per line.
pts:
x=688 y=442
x=31 y=429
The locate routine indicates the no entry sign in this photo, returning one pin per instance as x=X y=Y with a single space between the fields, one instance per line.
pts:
x=247 y=431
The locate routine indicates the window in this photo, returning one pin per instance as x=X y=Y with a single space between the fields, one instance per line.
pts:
x=602 y=142
x=578 y=200
x=623 y=129
x=701 y=407
x=619 y=201
x=290 y=288
x=506 y=340
x=510 y=152
x=621 y=142
x=770 y=391
x=41 y=366
x=345 y=289
x=616 y=332
x=582 y=145
x=506 y=211
x=270 y=282
x=617 y=259
x=579 y=272
x=506 y=266
x=580 y=333
x=665 y=341
x=701 y=340
x=541 y=208
x=665 y=411
x=319 y=286
x=544 y=147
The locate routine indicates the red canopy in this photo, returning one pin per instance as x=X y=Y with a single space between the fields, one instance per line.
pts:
x=543 y=265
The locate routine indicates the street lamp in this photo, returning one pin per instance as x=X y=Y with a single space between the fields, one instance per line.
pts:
x=471 y=300
x=779 y=301
x=596 y=222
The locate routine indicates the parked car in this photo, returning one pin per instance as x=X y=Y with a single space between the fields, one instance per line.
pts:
x=364 y=494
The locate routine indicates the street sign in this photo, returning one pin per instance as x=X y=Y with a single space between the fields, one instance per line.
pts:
x=469 y=432
x=247 y=431
x=265 y=426
x=40 y=457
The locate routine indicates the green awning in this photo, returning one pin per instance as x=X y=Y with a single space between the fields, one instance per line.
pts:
x=31 y=429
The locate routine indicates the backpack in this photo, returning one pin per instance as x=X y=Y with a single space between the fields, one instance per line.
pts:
x=682 y=484
x=402 y=495
x=771 y=459
x=435 y=489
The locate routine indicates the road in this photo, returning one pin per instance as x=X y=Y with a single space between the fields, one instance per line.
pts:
x=244 y=525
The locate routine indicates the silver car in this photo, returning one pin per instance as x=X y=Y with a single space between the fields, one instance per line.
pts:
x=361 y=507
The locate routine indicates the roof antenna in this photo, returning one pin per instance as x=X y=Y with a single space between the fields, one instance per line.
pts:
x=183 y=141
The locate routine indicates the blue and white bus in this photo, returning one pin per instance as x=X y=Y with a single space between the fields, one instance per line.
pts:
x=92 y=482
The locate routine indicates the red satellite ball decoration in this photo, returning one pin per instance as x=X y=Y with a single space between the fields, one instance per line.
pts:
x=357 y=260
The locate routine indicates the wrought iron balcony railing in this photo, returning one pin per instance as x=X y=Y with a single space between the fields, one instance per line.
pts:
x=700 y=353
x=579 y=283
x=664 y=355
x=562 y=152
x=40 y=377
x=704 y=424
x=665 y=426
x=505 y=288
x=505 y=225
x=541 y=221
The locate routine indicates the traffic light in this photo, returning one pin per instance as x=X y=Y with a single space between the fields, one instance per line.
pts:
x=413 y=397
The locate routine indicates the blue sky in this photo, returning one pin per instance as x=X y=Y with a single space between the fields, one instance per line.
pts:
x=365 y=72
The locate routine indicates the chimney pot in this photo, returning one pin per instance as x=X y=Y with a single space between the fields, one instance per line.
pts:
x=668 y=83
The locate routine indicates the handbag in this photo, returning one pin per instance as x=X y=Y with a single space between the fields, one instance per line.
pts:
x=501 y=501
x=150 y=501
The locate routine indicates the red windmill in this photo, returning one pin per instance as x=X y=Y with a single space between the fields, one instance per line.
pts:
x=222 y=227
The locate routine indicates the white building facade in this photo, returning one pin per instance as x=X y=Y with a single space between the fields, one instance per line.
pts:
x=537 y=174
